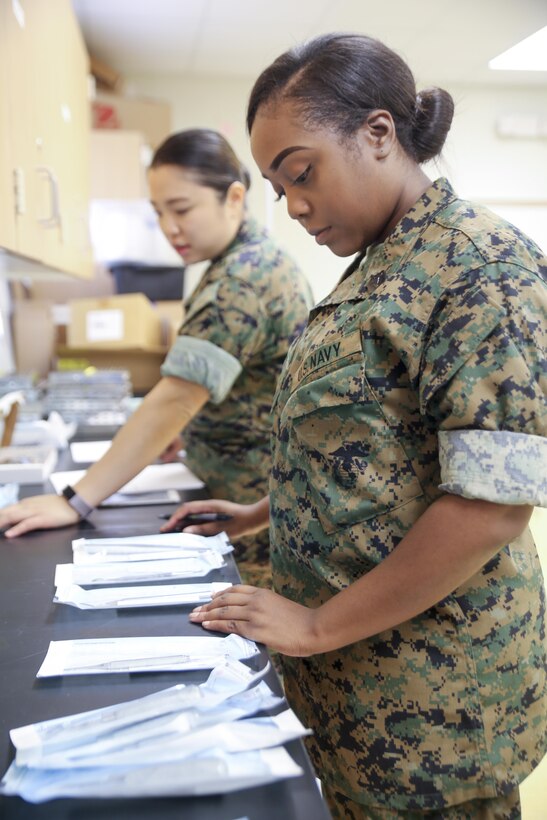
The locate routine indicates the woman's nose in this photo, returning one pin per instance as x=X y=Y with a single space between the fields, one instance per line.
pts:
x=297 y=206
x=169 y=226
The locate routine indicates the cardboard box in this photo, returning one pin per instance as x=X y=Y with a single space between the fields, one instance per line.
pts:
x=143 y=364
x=26 y=465
x=105 y=76
x=36 y=324
x=120 y=322
x=151 y=117
x=33 y=334
x=40 y=329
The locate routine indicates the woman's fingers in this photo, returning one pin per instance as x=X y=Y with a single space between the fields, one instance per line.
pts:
x=260 y=615
x=191 y=508
x=24 y=526
x=36 y=512
x=223 y=607
x=229 y=611
x=236 y=589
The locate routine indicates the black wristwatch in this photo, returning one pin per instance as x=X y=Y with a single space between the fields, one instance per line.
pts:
x=76 y=501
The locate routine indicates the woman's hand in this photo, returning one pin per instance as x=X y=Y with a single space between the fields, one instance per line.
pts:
x=244 y=518
x=263 y=616
x=39 y=512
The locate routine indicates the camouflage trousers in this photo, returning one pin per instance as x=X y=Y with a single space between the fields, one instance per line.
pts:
x=506 y=807
x=252 y=555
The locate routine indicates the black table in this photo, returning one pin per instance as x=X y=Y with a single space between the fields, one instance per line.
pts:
x=29 y=620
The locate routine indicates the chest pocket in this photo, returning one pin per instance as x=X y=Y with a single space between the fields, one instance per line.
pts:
x=338 y=436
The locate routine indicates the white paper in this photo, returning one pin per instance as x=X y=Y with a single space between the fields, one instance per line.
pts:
x=140 y=740
x=174 y=738
x=214 y=773
x=114 y=655
x=130 y=572
x=104 y=325
x=126 y=555
x=141 y=499
x=147 y=547
x=185 y=740
x=87 y=452
x=228 y=678
x=154 y=478
x=137 y=596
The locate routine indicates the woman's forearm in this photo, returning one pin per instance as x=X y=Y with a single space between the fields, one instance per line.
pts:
x=164 y=412
x=451 y=541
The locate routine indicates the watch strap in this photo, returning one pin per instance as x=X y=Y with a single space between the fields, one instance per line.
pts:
x=76 y=501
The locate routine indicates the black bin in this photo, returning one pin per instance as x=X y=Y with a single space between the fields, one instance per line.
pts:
x=158 y=282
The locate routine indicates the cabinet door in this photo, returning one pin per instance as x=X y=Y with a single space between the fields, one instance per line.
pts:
x=7 y=193
x=63 y=136
x=21 y=76
x=118 y=164
x=49 y=123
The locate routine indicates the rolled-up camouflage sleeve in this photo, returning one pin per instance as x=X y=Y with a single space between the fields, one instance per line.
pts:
x=509 y=468
x=224 y=328
x=484 y=381
x=202 y=362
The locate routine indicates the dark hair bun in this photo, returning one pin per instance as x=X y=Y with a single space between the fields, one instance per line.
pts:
x=434 y=112
x=336 y=80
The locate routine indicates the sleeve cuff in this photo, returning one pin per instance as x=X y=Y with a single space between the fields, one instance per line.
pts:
x=498 y=466
x=202 y=362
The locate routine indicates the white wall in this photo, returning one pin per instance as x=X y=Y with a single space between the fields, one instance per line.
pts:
x=480 y=164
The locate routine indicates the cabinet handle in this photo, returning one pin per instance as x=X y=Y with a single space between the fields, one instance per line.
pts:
x=54 y=218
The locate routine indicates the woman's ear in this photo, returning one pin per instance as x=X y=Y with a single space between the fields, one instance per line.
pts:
x=379 y=131
x=235 y=195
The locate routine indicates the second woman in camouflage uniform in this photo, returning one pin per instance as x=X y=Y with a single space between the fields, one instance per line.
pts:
x=220 y=375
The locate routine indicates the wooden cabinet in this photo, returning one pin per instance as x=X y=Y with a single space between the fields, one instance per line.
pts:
x=44 y=178
x=7 y=197
x=119 y=160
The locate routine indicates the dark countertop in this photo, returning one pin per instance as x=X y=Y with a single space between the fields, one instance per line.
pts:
x=29 y=620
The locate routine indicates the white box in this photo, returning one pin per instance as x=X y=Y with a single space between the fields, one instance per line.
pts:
x=26 y=465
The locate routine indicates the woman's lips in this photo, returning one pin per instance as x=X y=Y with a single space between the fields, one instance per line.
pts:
x=321 y=236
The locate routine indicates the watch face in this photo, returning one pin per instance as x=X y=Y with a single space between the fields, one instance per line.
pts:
x=68 y=493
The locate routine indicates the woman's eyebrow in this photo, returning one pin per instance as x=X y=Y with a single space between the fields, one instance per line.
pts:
x=173 y=200
x=284 y=153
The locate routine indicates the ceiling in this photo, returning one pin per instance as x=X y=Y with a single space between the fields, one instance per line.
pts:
x=444 y=41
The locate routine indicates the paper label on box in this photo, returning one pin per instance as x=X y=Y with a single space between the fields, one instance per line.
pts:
x=104 y=325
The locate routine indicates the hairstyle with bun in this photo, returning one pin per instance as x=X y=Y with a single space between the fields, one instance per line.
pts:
x=207 y=154
x=336 y=80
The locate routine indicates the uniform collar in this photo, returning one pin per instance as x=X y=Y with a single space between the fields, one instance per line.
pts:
x=387 y=256
x=249 y=231
x=402 y=239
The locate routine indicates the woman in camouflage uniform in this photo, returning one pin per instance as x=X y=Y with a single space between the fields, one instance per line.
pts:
x=220 y=375
x=408 y=453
